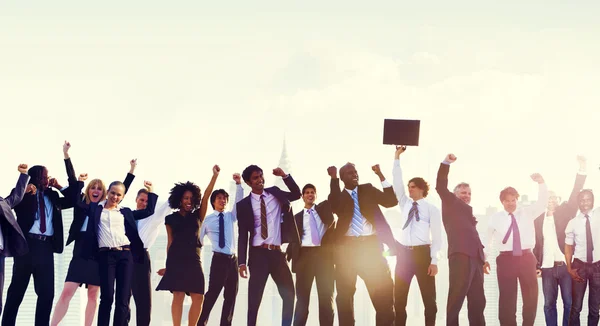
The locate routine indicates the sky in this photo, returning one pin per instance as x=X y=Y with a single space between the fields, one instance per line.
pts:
x=508 y=87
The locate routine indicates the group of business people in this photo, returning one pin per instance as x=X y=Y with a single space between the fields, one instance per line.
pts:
x=111 y=247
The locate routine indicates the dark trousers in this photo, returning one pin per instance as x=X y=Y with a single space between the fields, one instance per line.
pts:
x=590 y=273
x=410 y=263
x=141 y=290
x=552 y=278
x=267 y=262
x=2 y=265
x=511 y=269
x=465 y=281
x=39 y=262
x=361 y=256
x=315 y=263
x=115 y=266
x=223 y=274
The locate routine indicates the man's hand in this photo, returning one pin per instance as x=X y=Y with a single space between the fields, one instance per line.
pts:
x=332 y=171
x=66 y=147
x=132 y=165
x=582 y=162
x=22 y=168
x=148 y=185
x=161 y=271
x=216 y=169
x=82 y=177
x=537 y=178
x=31 y=189
x=432 y=270
x=279 y=172
x=538 y=272
x=486 y=267
x=237 y=178
x=399 y=150
x=450 y=158
x=376 y=169
x=54 y=183
x=243 y=270
x=575 y=276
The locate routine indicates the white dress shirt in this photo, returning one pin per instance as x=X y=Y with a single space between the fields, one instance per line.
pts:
x=274 y=219
x=148 y=227
x=576 y=235
x=551 y=249
x=428 y=229
x=500 y=222
x=111 y=231
x=368 y=228
x=307 y=232
x=210 y=226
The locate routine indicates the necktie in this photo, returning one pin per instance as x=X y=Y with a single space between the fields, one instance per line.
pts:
x=589 y=244
x=264 y=229
x=314 y=231
x=42 y=204
x=357 y=221
x=514 y=228
x=221 y=231
x=414 y=212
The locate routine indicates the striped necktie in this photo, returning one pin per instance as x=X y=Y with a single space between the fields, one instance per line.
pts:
x=357 y=218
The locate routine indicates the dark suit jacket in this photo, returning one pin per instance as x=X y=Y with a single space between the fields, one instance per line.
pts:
x=27 y=210
x=326 y=215
x=458 y=218
x=369 y=199
x=15 y=243
x=94 y=211
x=562 y=215
x=245 y=215
x=79 y=214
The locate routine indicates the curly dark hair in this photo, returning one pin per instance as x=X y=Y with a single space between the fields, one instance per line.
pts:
x=176 y=194
x=248 y=172
x=421 y=184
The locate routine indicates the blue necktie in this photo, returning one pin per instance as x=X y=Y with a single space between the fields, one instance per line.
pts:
x=414 y=212
x=221 y=231
x=514 y=228
x=357 y=220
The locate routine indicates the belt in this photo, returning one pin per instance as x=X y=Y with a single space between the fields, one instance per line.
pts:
x=421 y=247
x=559 y=263
x=121 y=248
x=269 y=246
x=220 y=254
x=39 y=236
x=525 y=251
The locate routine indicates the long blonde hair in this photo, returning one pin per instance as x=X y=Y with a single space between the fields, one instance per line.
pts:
x=92 y=183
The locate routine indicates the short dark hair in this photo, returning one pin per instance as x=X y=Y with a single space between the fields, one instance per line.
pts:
x=508 y=191
x=309 y=186
x=214 y=194
x=176 y=194
x=142 y=191
x=35 y=172
x=421 y=184
x=248 y=172
x=116 y=183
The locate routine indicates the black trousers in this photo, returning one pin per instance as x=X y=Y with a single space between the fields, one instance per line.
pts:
x=2 y=265
x=115 y=266
x=362 y=256
x=590 y=273
x=466 y=281
x=39 y=262
x=267 y=262
x=223 y=274
x=510 y=269
x=141 y=290
x=411 y=263
x=316 y=263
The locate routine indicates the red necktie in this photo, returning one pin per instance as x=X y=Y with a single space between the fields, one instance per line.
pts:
x=42 y=202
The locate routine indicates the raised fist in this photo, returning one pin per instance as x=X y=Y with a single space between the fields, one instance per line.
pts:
x=22 y=168
x=82 y=177
x=148 y=185
x=237 y=178
x=450 y=158
x=332 y=171
x=279 y=172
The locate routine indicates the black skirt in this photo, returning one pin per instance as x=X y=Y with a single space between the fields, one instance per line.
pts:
x=82 y=270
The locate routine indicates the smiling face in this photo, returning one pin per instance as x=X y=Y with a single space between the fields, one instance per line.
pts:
x=187 y=201
x=349 y=176
x=586 y=201
x=95 y=191
x=414 y=192
x=510 y=203
x=463 y=193
x=309 y=196
x=220 y=202
x=115 y=195
x=256 y=182
x=141 y=201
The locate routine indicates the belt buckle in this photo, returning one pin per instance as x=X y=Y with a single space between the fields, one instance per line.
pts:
x=270 y=246
x=117 y=248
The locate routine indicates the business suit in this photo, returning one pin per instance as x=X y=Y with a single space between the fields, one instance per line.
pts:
x=263 y=262
x=557 y=275
x=14 y=242
x=39 y=261
x=465 y=253
x=314 y=263
x=116 y=264
x=361 y=256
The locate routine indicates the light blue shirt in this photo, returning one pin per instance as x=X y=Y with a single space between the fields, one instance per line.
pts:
x=36 y=223
x=210 y=227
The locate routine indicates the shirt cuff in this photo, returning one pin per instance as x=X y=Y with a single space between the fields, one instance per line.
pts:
x=581 y=172
x=445 y=162
x=434 y=261
x=385 y=184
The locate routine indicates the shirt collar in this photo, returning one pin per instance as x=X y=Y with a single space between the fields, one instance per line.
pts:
x=102 y=203
x=312 y=207
x=257 y=197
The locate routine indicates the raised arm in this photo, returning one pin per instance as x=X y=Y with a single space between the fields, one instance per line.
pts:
x=151 y=205
x=334 y=189
x=441 y=185
x=16 y=195
x=294 y=193
x=572 y=205
x=68 y=164
x=538 y=207
x=387 y=197
x=208 y=191
x=239 y=194
x=130 y=176
x=397 y=177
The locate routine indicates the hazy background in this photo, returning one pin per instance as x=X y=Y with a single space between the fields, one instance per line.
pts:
x=509 y=87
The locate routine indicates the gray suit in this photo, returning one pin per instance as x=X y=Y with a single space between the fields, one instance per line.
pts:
x=15 y=243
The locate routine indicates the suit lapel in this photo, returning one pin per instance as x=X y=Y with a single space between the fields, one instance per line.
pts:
x=300 y=223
